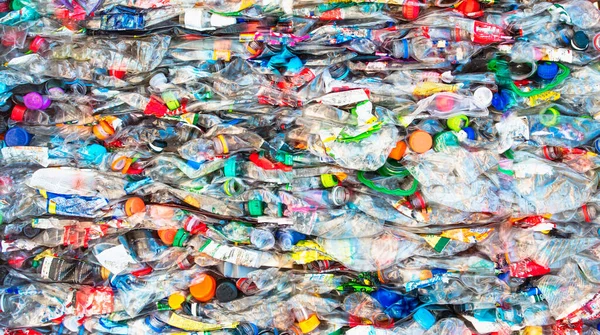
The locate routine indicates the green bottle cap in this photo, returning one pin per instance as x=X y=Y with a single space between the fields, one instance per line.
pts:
x=170 y=100
x=329 y=180
x=509 y=154
x=285 y=158
x=18 y=4
x=280 y=208
x=443 y=140
x=255 y=207
x=35 y=263
x=229 y=168
x=458 y=122
x=180 y=237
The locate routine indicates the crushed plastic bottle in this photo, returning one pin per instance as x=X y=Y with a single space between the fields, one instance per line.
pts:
x=289 y=167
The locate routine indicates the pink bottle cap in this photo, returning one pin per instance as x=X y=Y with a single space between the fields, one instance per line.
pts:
x=34 y=100
x=37 y=43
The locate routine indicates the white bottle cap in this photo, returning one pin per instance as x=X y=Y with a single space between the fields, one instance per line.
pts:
x=217 y=20
x=483 y=97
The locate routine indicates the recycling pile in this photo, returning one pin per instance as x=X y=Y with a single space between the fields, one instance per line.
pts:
x=299 y=167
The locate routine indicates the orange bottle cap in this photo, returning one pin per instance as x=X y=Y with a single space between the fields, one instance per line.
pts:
x=204 y=288
x=398 y=152
x=420 y=141
x=103 y=130
x=167 y=236
x=134 y=205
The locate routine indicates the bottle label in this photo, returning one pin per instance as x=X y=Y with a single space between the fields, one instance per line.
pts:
x=193 y=18
x=115 y=259
x=46 y=266
x=558 y=55
x=179 y=321
x=438 y=243
x=73 y=205
x=541 y=98
x=94 y=300
x=239 y=256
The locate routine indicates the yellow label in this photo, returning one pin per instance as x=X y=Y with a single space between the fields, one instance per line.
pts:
x=44 y=194
x=51 y=207
x=427 y=88
x=246 y=4
x=190 y=200
x=247 y=37
x=222 y=54
x=543 y=97
x=192 y=325
x=45 y=253
x=467 y=235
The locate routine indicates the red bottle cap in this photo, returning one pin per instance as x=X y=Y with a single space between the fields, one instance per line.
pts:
x=37 y=43
x=18 y=113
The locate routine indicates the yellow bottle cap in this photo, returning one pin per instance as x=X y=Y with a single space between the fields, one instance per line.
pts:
x=533 y=330
x=309 y=324
x=175 y=300
x=104 y=272
x=329 y=180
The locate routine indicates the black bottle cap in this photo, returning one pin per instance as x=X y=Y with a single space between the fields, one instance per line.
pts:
x=226 y=291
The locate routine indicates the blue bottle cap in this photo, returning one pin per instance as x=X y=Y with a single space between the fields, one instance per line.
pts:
x=93 y=153
x=580 y=41
x=17 y=136
x=470 y=133
x=547 y=70
x=424 y=318
x=194 y=165
x=438 y=271
x=246 y=328
x=386 y=297
x=498 y=102
x=597 y=145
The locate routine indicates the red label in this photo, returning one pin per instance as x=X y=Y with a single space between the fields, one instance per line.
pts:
x=94 y=301
x=527 y=268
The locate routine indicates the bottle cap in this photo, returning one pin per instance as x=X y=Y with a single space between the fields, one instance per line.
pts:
x=119 y=74
x=34 y=100
x=30 y=231
x=105 y=273
x=596 y=42
x=399 y=150
x=94 y=153
x=226 y=291
x=444 y=103
x=420 y=141
x=328 y=180
x=411 y=9
x=470 y=133
x=194 y=165
x=246 y=328
x=458 y=122
x=18 y=113
x=229 y=169
x=533 y=330
x=134 y=205
x=255 y=207
x=17 y=136
x=170 y=100
x=233 y=187
x=483 y=97
x=17 y=5
x=547 y=70
x=204 y=288
x=424 y=318
x=176 y=300
x=443 y=140
x=340 y=195
x=499 y=102
x=180 y=237
x=310 y=324
x=103 y=130
x=339 y=71
x=386 y=297
x=158 y=80
x=167 y=236
x=580 y=41
x=37 y=43
x=157 y=146
x=220 y=145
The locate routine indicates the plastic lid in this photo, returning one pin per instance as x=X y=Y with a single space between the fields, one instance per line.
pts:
x=180 y=237
x=499 y=102
x=220 y=145
x=37 y=43
x=226 y=291
x=339 y=71
x=458 y=122
x=157 y=146
x=533 y=330
x=328 y=180
x=229 y=169
x=547 y=70
x=170 y=100
x=443 y=140
x=134 y=205
x=17 y=4
x=158 y=79
x=411 y=9
x=470 y=133
x=18 y=112
x=399 y=150
x=167 y=236
x=204 y=289
x=310 y=324
x=176 y=300
x=483 y=97
x=94 y=153
x=103 y=130
x=340 y=195
x=580 y=41
x=119 y=74
x=105 y=273
x=34 y=100
x=255 y=207
x=17 y=136
x=246 y=328
x=386 y=297
x=420 y=141
x=596 y=42
x=424 y=318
